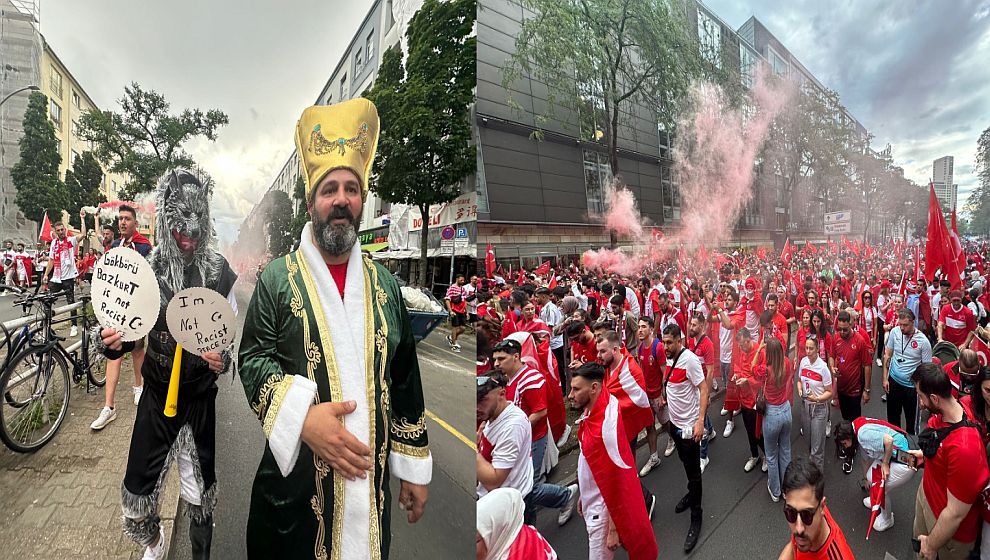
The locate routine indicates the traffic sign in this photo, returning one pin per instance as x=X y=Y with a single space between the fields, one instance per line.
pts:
x=838 y=217
x=843 y=227
x=447 y=233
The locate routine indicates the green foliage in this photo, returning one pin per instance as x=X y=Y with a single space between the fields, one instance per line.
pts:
x=83 y=184
x=301 y=216
x=978 y=204
x=600 y=57
x=278 y=218
x=36 y=175
x=144 y=140
x=424 y=148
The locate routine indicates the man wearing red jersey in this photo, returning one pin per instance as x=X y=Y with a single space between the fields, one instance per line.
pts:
x=852 y=364
x=649 y=356
x=956 y=322
x=945 y=520
x=583 y=347
x=814 y=533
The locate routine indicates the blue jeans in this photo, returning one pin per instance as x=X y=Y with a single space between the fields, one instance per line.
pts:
x=543 y=494
x=704 y=440
x=726 y=370
x=777 y=443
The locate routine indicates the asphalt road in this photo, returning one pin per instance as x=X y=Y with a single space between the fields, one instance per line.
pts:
x=450 y=509
x=740 y=521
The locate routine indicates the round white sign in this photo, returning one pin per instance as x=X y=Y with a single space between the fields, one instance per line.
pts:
x=125 y=293
x=201 y=320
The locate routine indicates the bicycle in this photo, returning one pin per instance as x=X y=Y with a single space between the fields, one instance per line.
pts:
x=36 y=379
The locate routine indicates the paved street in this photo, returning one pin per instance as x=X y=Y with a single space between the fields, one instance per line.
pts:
x=450 y=510
x=740 y=520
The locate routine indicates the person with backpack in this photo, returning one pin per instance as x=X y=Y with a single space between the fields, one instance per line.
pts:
x=649 y=355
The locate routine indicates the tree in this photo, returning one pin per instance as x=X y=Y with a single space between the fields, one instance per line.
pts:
x=602 y=57
x=83 y=183
x=301 y=216
x=424 y=148
x=145 y=140
x=978 y=204
x=36 y=175
x=278 y=217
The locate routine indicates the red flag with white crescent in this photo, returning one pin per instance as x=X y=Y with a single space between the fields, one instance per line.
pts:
x=606 y=449
x=490 y=262
x=982 y=350
x=543 y=269
x=877 y=496
x=627 y=382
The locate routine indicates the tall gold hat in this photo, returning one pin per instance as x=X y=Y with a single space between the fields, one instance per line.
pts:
x=340 y=136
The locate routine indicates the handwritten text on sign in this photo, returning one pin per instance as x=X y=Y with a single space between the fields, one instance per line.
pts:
x=201 y=320
x=125 y=293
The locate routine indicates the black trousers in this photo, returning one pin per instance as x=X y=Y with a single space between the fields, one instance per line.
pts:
x=755 y=443
x=851 y=406
x=880 y=337
x=689 y=452
x=69 y=289
x=902 y=399
x=558 y=354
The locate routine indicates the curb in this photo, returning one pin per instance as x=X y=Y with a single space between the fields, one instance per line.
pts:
x=170 y=509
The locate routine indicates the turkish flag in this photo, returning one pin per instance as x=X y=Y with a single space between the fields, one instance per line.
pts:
x=553 y=282
x=809 y=247
x=938 y=248
x=785 y=253
x=982 y=350
x=878 y=493
x=604 y=445
x=490 y=262
x=46 y=230
x=543 y=269
x=957 y=247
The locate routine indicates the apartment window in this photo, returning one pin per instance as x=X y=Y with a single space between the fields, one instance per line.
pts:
x=369 y=46
x=343 y=87
x=591 y=112
x=357 y=60
x=59 y=146
x=666 y=141
x=113 y=187
x=75 y=156
x=389 y=18
x=710 y=38
x=56 y=83
x=75 y=99
x=75 y=129
x=670 y=194
x=55 y=112
x=777 y=62
x=597 y=177
x=747 y=65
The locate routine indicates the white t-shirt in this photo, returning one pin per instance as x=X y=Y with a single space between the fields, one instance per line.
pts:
x=814 y=376
x=553 y=316
x=725 y=344
x=683 y=395
x=699 y=307
x=8 y=257
x=64 y=263
x=472 y=304
x=592 y=502
x=633 y=300
x=511 y=437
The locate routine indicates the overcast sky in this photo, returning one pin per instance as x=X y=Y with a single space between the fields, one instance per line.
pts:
x=915 y=73
x=261 y=62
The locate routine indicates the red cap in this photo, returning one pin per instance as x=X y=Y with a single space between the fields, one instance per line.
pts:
x=750 y=284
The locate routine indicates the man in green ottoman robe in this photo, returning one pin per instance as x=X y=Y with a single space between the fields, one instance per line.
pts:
x=328 y=363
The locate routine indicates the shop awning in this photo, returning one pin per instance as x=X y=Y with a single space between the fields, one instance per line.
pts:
x=374 y=247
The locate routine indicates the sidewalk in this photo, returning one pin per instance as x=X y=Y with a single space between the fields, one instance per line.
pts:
x=64 y=500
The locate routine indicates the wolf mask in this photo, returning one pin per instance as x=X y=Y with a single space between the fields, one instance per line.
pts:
x=186 y=248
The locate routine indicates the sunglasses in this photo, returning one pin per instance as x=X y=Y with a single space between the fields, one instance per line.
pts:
x=483 y=379
x=807 y=515
x=508 y=346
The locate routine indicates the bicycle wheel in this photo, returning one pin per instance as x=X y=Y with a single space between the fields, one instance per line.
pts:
x=96 y=363
x=39 y=380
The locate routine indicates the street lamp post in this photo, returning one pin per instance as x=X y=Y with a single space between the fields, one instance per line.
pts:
x=16 y=91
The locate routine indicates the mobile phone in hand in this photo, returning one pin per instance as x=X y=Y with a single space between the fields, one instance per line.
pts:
x=916 y=545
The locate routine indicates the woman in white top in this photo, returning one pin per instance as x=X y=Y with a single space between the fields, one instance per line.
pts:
x=815 y=390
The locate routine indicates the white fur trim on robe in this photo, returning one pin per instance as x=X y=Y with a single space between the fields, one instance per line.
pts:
x=285 y=440
x=418 y=470
x=346 y=321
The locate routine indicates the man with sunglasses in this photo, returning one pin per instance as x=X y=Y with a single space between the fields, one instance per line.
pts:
x=814 y=533
x=504 y=438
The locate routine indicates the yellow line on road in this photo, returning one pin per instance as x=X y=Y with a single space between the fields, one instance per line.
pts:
x=452 y=430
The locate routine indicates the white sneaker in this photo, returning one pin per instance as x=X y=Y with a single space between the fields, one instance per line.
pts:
x=714 y=385
x=764 y=467
x=723 y=412
x=73 y=331
x=456 y=349
x=729 y=426
x=563 y=437
x=651 y=463
x=884 y=522
x=156 y=552
x=106 y=416
x=773 y=498
x=568 y=510
x=867 y=503
x=828 y=429
x=751 y=463
x=704 y=463
x=880 y=364
x=137 y=394
x=670 y=447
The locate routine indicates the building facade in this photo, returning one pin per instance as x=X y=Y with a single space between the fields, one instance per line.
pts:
x=529 y=187
x=28 y=59
x=945 y=189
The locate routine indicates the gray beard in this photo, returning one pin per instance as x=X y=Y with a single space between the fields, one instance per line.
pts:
x=335 y=239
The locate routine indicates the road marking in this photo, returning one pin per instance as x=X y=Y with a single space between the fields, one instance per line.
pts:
x=451 y=429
